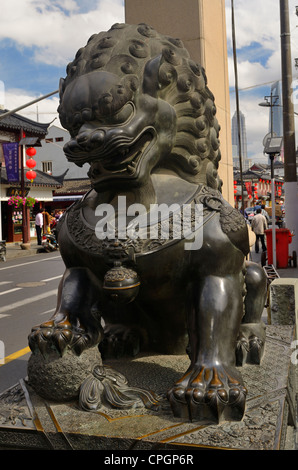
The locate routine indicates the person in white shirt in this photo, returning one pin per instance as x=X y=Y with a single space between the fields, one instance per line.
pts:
x=39 y=225
x=259 y=225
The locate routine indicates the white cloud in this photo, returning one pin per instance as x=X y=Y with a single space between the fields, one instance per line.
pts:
x=257 y=25
x=56 y=29
x=42 y=111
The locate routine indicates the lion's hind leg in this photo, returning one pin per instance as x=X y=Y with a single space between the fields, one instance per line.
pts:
x=212 y=389
x=251 y=339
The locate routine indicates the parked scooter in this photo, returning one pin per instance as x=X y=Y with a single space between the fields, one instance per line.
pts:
x=49 y=242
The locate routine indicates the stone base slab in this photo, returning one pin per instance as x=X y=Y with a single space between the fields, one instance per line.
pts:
x=30 y=422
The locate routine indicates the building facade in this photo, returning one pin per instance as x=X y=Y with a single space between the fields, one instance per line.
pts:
x=51 y=157
x=201 y=25
x=18 y=223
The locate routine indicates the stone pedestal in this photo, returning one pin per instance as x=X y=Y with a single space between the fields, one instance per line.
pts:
x=28 y=421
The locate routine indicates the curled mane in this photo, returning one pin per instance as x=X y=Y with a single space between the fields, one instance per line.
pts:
x=148 y=62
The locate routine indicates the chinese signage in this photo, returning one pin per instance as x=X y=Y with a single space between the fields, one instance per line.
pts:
x=16 y=192
x=248 y=186
x=11 y=157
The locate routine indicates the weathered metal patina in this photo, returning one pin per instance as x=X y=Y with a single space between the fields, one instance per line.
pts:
x=141 y=115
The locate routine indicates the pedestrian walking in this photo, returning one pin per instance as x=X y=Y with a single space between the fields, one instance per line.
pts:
x=39 y=225
x=259 y=225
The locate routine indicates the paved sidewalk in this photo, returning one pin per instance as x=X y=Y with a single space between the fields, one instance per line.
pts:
x=14 y=250
x=289 y=272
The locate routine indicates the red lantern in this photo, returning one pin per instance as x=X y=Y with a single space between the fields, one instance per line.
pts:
x=31 y=175
x=31 y=152
x=30 y=163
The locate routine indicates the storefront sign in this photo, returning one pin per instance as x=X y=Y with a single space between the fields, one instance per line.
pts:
x=248 y=186
x=11 y=157
x=16 y=192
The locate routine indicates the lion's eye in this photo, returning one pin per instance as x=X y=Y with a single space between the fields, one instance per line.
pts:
x=124 y=114
x=120 y=117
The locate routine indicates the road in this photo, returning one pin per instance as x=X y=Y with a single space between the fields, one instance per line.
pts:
x=28 y=293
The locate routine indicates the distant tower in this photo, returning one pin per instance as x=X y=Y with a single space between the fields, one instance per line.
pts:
x=235 y=145
x=277 y=119
x=277 y=114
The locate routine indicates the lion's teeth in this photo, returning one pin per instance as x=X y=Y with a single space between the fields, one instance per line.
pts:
x=131 y=169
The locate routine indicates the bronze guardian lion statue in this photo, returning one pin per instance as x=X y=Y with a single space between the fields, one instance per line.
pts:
x=140 y=113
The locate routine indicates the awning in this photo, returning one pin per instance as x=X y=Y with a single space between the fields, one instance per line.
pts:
x=67 y=198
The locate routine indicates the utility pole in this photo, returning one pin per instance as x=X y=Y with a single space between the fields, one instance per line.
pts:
x=290 y=173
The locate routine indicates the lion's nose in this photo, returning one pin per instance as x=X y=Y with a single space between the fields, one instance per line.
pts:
x=98 y=137
x=91 y=139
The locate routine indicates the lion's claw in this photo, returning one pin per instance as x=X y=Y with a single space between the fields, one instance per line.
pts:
x=60 y=336
x=202 y=396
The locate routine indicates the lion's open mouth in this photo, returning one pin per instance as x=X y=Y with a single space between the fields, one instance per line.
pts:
x=124 y=160
x=127 y=158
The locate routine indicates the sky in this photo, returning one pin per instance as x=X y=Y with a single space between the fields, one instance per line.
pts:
x=38 y=38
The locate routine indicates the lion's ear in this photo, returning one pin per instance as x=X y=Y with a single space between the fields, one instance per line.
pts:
x=61 y=86
x=151 y=83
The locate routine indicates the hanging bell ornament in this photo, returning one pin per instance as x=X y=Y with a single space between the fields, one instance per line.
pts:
x=121 y=284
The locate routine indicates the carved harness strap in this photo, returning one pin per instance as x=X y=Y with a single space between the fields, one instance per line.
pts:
x=84 y=237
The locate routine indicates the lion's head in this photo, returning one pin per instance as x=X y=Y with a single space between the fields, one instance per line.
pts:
x=133 y=100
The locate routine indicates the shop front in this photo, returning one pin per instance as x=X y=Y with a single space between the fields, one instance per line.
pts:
x=12 y=216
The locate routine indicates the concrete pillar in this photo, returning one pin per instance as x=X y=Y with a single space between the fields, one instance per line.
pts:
x=201 y=25
x=284 y=301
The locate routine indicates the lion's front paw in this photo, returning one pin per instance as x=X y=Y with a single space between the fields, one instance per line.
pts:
x=61 y=335
x=209 y=395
